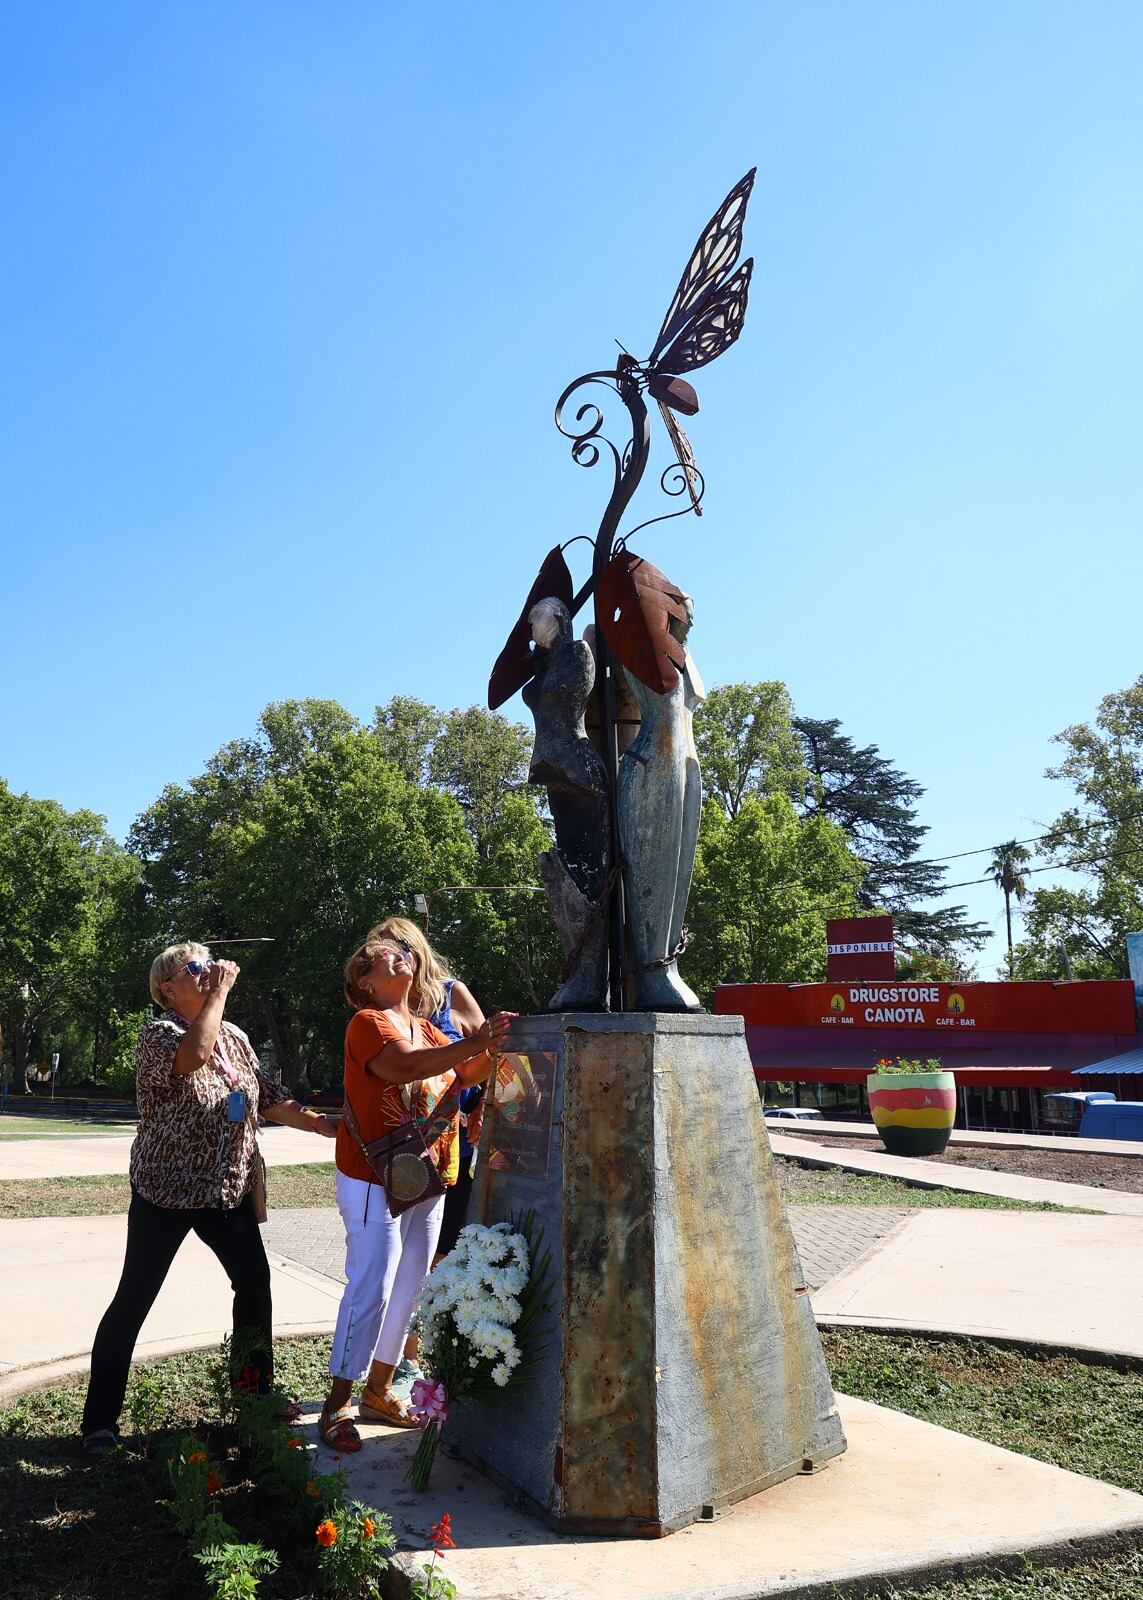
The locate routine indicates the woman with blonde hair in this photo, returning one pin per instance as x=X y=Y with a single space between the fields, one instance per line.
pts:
x=398 y=1067
x=194 y=1161
x=450 y=1007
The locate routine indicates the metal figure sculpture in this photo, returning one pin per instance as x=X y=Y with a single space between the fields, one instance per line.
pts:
x=565 y=761
x=641 y=619
x=659 y=805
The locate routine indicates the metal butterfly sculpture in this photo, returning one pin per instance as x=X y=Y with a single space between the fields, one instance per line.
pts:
x=704 y=318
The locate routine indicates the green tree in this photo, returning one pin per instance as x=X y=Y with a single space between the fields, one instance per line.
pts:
x=482 y=759
x=876 y=805
x=62 y=882
x=407 y=729
x=747 y=745
x=765 y=882
x=1101 y=837
x=316 y=827
x=1004 y=870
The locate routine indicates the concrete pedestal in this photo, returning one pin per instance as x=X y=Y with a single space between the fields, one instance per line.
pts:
x=683 y=1369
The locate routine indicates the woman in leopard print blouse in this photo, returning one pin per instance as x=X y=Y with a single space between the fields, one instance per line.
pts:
x=200 y=1092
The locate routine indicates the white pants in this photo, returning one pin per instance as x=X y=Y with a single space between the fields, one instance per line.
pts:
x=386 y=1261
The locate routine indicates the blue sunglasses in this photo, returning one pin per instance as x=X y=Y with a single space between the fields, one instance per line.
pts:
x=197 y=968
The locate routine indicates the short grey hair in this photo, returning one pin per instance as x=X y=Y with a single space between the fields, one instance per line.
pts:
x=547 y=620
x=168 y=962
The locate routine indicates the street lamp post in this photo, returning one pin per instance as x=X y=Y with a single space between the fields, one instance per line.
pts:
x=422 y=902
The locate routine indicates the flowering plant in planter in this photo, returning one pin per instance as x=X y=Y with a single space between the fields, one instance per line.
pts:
x=905 y=1064
x=479 y=1308
x=913 y=1105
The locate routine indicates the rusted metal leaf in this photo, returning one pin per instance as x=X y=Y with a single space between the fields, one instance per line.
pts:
x=634 y=604
x=517 y=662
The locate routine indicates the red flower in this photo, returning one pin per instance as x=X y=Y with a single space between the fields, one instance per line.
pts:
x=326 y=1534
x=312 y=1489
x=440 y=1535
x=213 y=1482
x=293 y=1444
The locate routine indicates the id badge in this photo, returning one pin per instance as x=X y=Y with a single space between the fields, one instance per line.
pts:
x=236 y=1106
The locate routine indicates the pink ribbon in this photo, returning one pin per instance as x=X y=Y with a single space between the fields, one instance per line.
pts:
x=430 y=1400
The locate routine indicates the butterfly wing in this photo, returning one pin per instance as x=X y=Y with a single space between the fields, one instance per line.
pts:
x=684 y=453
x=713 y=257
x=715 y=328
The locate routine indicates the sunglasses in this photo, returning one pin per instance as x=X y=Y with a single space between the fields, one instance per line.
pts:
x=402 y=945
x=197 y=968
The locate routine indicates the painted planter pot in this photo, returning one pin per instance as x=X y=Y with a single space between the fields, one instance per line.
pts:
x=914 y=1111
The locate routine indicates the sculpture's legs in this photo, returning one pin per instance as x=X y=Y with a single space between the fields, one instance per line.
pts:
x=586 y=985
x=651 y=820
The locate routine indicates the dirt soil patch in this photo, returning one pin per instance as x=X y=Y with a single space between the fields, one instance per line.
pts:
x=1064 y=1166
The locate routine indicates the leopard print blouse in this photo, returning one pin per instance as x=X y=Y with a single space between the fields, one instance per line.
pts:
x=186 y=1154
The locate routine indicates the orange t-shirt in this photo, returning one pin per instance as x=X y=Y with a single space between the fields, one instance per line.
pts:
x=380 y=1107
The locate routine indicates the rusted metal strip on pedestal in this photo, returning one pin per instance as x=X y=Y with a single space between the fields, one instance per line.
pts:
x=609 y=1404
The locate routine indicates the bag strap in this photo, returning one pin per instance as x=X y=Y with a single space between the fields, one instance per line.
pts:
x=442 y=1114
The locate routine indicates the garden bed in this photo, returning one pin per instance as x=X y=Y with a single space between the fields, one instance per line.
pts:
x=99 y=1530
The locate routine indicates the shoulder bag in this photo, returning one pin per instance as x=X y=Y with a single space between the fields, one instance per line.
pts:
x=401 y=1160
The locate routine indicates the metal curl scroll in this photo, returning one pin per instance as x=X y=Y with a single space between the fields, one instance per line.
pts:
x=683 y=511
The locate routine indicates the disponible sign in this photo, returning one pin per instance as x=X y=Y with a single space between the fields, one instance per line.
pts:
x=860 y=947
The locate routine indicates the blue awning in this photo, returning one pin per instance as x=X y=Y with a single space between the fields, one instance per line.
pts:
x=1130 y=1062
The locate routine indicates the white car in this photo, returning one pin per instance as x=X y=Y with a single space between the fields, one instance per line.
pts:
x=793 y=1113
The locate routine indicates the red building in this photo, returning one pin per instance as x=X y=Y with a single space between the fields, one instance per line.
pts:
x=1007 y=1043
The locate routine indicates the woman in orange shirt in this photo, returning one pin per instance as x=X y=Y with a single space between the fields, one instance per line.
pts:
x=397 y=1066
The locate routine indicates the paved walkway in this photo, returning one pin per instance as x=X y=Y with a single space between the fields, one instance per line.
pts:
x=966 y=1180
x=973 y=1136
x=829 y=1238
x=107 y=1154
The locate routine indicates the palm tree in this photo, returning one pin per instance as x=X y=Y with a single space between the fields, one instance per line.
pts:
x=1004 y=870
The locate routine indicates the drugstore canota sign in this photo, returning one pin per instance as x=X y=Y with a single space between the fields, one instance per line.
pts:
x=1081 y=1008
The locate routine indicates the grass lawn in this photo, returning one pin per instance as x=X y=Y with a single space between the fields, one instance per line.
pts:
x=98 y=1196
x=312 y=1185
x=21 y=1127
x=94 y=1531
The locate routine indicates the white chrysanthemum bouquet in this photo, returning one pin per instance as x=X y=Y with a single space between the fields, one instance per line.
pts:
x=478 y=1309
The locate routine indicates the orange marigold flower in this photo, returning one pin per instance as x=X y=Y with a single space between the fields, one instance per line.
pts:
x=293 y=1444
x=326 y=1534
x=196 y=1455
x=213 y=1482
x=368 y=1527
x=312 y=1489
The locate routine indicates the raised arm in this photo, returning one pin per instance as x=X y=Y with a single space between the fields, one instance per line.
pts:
x=198 y=1041
x=470 y=1058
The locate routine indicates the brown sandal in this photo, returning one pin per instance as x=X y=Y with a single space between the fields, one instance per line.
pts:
x=387 y=1407
x=338 y=1432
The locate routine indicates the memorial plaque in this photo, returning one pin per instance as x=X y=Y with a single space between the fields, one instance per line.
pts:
x=521 y=1113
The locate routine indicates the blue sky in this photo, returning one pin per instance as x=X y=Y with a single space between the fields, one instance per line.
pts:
x=290 y=290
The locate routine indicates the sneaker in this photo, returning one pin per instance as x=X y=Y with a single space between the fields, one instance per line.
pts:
x=408 y=1371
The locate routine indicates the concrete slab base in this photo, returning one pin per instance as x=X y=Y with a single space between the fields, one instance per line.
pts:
x=1072 y=1281
x=907 y=1501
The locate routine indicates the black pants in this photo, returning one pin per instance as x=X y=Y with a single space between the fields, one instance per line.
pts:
x=455 y=1207
x=154 y=1234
